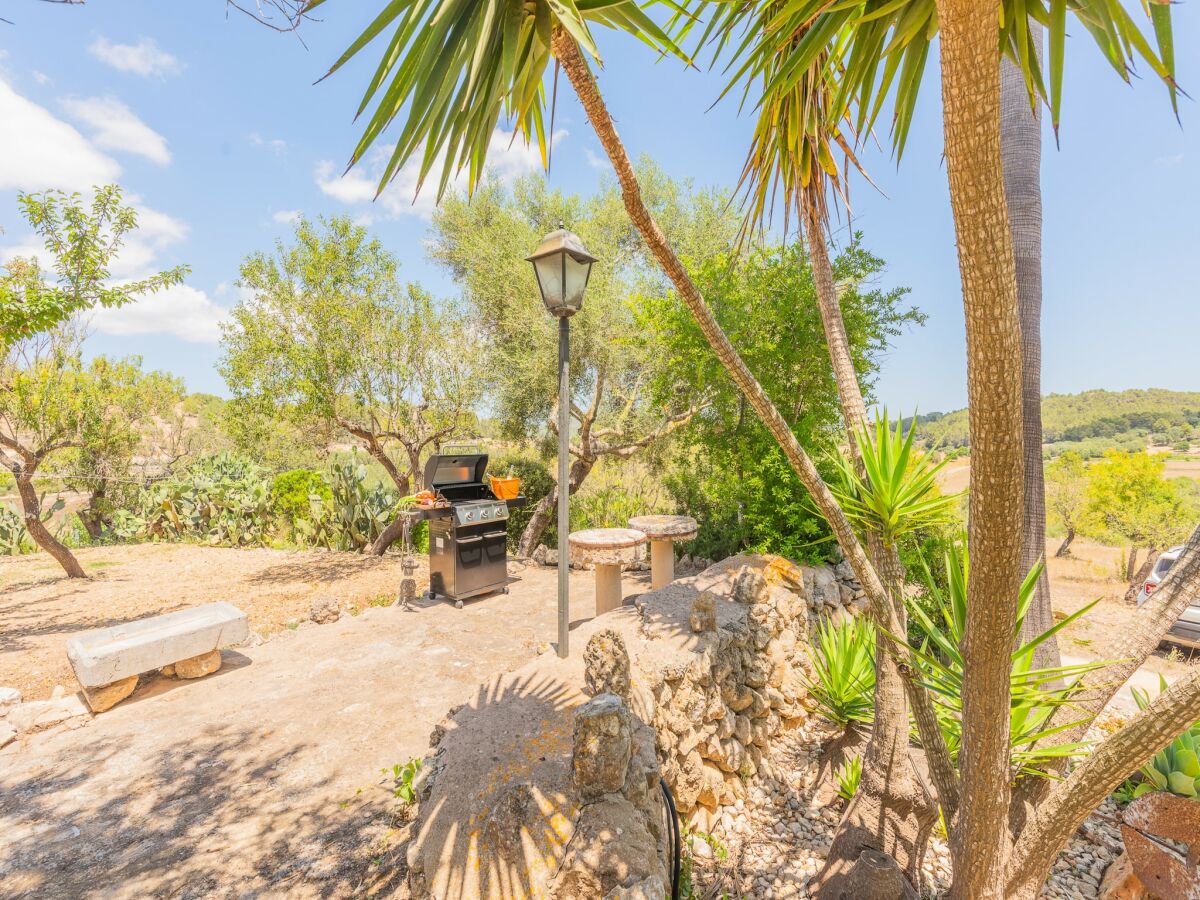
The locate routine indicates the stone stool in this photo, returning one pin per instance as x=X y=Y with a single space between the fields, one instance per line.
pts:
x=607 y=549
x=663 y=532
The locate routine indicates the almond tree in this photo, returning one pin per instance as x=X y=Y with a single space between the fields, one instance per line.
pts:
x=458 y=68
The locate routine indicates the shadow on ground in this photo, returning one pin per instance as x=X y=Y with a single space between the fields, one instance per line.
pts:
x=205 y=815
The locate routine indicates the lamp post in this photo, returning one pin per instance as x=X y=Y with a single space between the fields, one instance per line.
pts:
x=562 y=266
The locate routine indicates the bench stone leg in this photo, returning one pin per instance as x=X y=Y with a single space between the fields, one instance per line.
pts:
x=198 y=666
x=662 y=564
x=106 y=696
x=608 y=587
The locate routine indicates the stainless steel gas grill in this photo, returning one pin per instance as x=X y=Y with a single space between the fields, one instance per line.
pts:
x=468 y=540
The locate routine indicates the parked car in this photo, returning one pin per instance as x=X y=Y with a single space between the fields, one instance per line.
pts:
x=1187 y=630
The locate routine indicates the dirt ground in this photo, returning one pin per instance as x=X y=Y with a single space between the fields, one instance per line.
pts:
x=1095 y=571
x=40 y=608
x=267 y=778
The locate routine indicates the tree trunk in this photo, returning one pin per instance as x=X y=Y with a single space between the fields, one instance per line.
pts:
x=1140 y=576
x=970 y=54
x=1021 y=151
x=1071 y=801
x=543 y=513
x=1064 y=548
x=567 y=52
x=1131 y=563
x=891 y=812
x=854 y=411
x=39 y=532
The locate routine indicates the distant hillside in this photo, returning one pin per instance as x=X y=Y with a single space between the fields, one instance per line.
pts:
x=1092 y=422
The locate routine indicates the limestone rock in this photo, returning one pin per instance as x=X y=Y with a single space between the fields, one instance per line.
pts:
x=750 y=587
x=606 y=665
x=324 y=610
x=9 y=698
x=34 y=715
x=651 y=888
x=8 y=734
x=602 y=746
x=704 y=613
x=539 y=554
x=104 y=698
x=198 y=666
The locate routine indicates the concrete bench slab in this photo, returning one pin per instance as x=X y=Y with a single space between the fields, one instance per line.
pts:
x=109 y=654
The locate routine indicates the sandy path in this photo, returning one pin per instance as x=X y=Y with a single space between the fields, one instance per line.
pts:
x=263 y=779
x=40 y=608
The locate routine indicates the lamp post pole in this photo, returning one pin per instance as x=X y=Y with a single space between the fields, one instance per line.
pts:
x=562 y=267
x=564 y=485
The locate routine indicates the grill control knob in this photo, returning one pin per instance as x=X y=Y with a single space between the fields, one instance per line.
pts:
x=485 y=514
x=469 y=516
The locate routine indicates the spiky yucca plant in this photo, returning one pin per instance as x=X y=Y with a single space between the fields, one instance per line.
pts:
x=843 y=661
x=1036 y=693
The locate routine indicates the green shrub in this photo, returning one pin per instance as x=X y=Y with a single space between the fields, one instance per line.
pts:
x=843 y=661
x=536 y=483
x=300 y=494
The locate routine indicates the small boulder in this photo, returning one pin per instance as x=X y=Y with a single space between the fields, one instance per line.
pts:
x=324 y=610
x=603 y=746
x=198 y=666
x=103 y=698
x=8 y=734
x=606 y=665
x=9 y=698
x=1120 y=882
x=704 y=613
x=750 y=587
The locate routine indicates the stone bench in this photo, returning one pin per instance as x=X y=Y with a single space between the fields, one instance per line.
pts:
x=186 y=643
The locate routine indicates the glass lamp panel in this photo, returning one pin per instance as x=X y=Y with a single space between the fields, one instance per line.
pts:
x=577 y=278
x=549 y=275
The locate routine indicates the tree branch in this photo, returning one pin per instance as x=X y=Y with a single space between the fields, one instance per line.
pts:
x=1074 y=798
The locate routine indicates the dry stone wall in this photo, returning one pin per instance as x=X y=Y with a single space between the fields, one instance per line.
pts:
x=546 y=784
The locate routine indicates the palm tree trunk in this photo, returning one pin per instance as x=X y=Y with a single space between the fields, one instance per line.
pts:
x=891 y=811
x=970 y=55
x=567 y=52
x=1021 y=151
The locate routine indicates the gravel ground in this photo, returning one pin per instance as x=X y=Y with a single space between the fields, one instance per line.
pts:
x=777 y=838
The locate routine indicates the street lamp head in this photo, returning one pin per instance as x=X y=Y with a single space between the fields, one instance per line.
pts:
x=562 y=266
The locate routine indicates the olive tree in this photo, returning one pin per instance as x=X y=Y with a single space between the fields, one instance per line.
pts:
x=329 y=335
x=614 y=358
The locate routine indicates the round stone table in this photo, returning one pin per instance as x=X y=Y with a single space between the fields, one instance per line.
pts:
x=607 y=549
x=663 y=532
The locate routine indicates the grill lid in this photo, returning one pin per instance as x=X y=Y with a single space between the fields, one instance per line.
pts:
x=453 y=470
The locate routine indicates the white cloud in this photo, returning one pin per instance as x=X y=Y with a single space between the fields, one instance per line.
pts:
x=181 y=311
x=593 y=160
x=278 y=146
x=116 y=127
x=286 y=216
x=144 y=58
x=508 y=159
x=1169 y=162
x=42 y=78
x=40 y=151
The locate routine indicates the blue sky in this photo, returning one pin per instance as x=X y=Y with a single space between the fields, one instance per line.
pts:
x=214 y=124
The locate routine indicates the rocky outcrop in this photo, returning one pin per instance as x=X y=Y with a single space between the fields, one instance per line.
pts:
x=547 y=783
